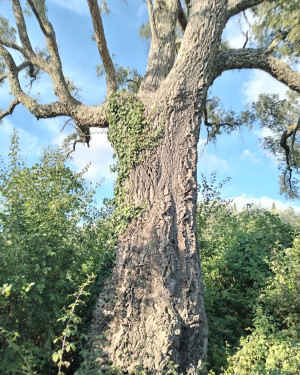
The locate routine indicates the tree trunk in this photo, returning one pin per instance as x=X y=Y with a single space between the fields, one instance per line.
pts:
x=151 y=311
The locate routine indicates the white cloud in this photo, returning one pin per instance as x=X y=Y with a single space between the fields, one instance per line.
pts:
x=248 y=155
x=263 y=202
x=211 y=162
x=98 y=155
x=264 y=132
x=77 y=6
x=261 y=82
x=236 y=28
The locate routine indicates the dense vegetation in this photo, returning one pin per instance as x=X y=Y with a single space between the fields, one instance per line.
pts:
x=57 y=249
x=53 y=240
x=251 y=271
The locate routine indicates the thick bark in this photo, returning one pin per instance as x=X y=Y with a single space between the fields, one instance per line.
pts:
x=152 y=310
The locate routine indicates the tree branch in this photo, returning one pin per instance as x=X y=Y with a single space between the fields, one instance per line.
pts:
x=12 y=45
x=38 y=110
x=181 y=17
x=10 y=109
x=21 y=26
x=55 y=66
x=288 y=151
x=163 y=15
x=238 y=6
x=188 y=6
x=37 y=16
x=22 y=66
x=151 y=19
x=110 y=72
x=249 y=58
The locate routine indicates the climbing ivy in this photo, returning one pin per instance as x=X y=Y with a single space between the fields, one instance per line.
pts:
x=130 y=134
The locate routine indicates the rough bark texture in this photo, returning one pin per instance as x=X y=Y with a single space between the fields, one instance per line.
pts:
x=152 y=308
x=151 y=311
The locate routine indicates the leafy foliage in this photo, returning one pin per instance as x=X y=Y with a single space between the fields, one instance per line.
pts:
x=218 y=120
x=7 y=33
x=282 y=119
x=236 y=253
x=71 y=329
x=127 y=79
x=279 y=21
x=273 y=347
x=129 y=134
x=51 y=237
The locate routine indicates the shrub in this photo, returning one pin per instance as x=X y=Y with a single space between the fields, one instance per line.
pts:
x=51 y=238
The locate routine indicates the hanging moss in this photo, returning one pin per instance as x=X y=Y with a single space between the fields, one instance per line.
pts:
x=130 y=134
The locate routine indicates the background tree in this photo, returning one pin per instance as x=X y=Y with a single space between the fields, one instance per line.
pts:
x=152 y=310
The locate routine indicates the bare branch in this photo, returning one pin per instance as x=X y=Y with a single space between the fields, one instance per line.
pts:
x=37 y=16
x=188 y=5
x=238 y=6
x=22 y=66
x=288 y=151
x=249 y=58
x=110 y=72
x=38 y=110
x=86 y=116
x=163 y=16
x=10 y=109
x=246 y=40
x=72 y=149
x=152 y=19
x=181 y=17
x=12 y=45
x=21 y=26
x=54 y=66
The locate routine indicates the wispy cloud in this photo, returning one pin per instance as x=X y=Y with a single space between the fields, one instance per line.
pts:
x=210 y=162
x=251 y=156
x=98 y=156
x=77 y=6
x=236 y=28
x=261 y=82
x=262 y=202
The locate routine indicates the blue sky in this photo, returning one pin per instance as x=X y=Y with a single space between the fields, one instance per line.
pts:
x=254 y=174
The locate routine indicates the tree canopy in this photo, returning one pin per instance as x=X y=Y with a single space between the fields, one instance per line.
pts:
x=273 y=40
